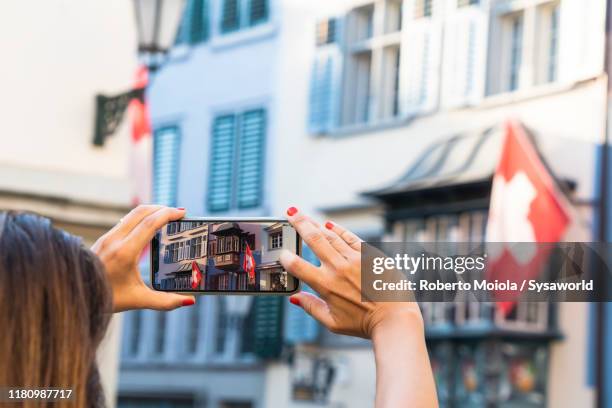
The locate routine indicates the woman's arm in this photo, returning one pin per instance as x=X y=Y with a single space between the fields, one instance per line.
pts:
x=403 y=372
x=120 y=250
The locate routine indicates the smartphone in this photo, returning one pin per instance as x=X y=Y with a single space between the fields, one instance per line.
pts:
x=224 y=256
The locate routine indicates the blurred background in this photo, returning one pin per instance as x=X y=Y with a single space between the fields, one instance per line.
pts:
x=386 y=116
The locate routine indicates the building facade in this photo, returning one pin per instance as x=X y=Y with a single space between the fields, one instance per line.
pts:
x=384 y=116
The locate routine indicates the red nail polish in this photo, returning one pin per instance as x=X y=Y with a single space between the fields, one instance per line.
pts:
x=294 y=301
x=329 y=225
x=180 y=208
x=188 y=302
x=291 y=211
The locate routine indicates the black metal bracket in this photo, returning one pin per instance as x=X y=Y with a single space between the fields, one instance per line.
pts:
x=110 y=111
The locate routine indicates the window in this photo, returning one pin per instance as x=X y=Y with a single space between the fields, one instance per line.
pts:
x=195 y=23
x=547 y=43
x=276 y=240
x=160 y=334
x=124 y=401
x=422 y=8
x=258 y=12
x=236 y=172
x=390 y=80
x=136 y=329
x=222 y=317
x=372 y=43
x=553 y=47
x=393 y=17
x=237 y=14
x=363 y=23
x=516 y=50
x=357 y=99
x=166 y=144
x=531 y=42
x=230 y=19
x=193 y=325
x=464 y=3
x=236 y=404
x=326 y=32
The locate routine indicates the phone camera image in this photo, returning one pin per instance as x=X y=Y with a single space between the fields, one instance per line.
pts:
x=223 y=256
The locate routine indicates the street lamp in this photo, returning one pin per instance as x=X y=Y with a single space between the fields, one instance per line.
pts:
x=157 y=23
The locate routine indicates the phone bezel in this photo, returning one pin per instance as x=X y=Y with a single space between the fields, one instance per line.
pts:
x=298 y=251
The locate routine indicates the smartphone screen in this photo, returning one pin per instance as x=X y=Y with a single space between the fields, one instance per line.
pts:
x=223 y=256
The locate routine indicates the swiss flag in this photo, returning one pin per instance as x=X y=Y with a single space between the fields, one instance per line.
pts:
x=249 y=263
x=196 y=275
x=526 y=206
x=141 y=150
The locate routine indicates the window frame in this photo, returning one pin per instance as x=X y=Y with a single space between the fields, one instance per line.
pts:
x=276 y=236
x=243 y=17
x=372 y=67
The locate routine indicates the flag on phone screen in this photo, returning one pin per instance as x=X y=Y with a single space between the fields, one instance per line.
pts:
x=196 y=275
x=249 y=263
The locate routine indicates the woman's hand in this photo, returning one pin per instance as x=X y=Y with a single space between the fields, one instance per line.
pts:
x=338 y=281
x=403 y=372
x=120 y=250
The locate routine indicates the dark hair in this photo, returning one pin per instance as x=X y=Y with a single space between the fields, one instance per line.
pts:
x=55 y=305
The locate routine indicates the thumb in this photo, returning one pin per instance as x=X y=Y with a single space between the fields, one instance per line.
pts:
x=167 y=301
x=314 y=306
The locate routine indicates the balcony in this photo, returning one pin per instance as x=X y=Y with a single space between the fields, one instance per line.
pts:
x=227 y=262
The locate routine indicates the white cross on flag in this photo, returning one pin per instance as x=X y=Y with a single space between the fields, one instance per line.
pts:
x=526 y=206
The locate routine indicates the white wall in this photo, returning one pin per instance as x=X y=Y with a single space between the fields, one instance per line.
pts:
x=57 y=54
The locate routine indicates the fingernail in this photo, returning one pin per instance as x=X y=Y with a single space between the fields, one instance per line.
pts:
x=294 y=301
x=180 y=208
x=291 y=211
x=329 y=225
x=188 y=302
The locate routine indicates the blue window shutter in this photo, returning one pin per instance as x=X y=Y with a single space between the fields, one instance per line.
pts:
x=299 y=326
x=250 y=158
x=326 y=78
x=199 y=23
x=182 y=35
x=320 y=94
x=222 y=163
x=166 y=144
x=230 y=16
x=194 y=27
x=258 y=11
x=263 y=334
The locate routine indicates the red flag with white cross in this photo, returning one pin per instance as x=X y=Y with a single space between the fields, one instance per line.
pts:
x=249 y=263
x=526 y=206
x=196 y=275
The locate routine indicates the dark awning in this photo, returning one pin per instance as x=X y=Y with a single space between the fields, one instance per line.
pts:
x=458 y=160
x=452 y=175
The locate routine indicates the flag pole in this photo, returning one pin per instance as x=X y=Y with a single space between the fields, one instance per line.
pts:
x=600 y=359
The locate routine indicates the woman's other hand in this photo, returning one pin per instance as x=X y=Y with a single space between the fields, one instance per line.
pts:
x=120 y=250
x=403 y=372
x=338 y=282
